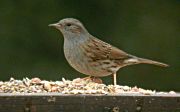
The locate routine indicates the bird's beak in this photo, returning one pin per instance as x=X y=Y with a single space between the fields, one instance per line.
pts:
x=54 y=25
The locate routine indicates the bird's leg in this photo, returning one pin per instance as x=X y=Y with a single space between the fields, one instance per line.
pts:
x=88 y=77
x=114 y=79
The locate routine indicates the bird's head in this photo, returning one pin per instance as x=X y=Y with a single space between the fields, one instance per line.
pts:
x=70 y=26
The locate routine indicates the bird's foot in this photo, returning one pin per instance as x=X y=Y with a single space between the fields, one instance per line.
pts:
x=97 y=80
x=87 y=78
x=93 y=79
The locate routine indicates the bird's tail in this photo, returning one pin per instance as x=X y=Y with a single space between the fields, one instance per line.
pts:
x=147 y=61
x=136 y=60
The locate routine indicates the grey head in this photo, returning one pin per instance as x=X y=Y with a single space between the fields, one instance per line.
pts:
x=70 y=27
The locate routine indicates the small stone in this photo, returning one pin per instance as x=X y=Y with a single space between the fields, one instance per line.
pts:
x=63 y=79
x=11 y=79
x=26 y=81
x=1 y=83
x=126 y=88
x=119 y=91
x=172 y=92
x=77 y=80
x=47 y=86
x=135 y=89
x=54 y=89
x=60 y=83
x=36 y=80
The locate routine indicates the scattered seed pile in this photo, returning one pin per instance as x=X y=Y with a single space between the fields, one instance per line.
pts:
x=76 y=86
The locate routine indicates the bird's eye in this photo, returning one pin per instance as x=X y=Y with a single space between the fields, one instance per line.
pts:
x=68 y=24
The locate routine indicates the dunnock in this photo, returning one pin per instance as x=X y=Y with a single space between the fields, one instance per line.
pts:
x=91 y=56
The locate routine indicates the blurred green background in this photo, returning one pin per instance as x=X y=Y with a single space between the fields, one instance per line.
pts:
x=149 y=29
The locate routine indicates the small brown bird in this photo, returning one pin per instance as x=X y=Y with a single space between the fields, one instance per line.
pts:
x=91 y=56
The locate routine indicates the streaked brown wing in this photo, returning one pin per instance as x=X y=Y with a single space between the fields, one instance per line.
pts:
x=99 y=50
x=116 y=54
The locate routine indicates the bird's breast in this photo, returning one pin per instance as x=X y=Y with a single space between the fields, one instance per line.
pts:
x=78 y=57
